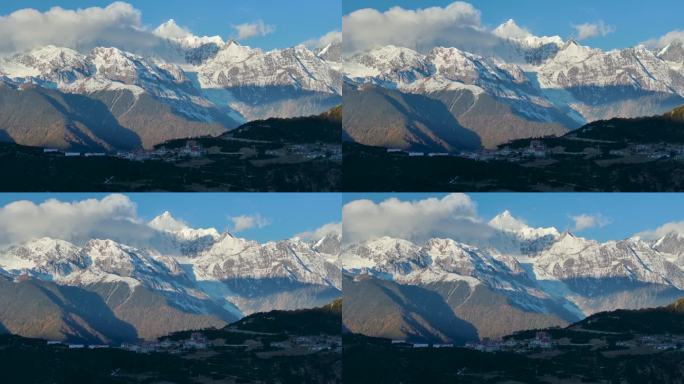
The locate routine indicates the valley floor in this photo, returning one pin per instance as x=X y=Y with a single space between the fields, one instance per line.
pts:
x=224 y=165
x=595 y=359
x=371 y=169
x=226 y=357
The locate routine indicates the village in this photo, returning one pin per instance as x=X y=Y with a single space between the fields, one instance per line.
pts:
x=542 y=341
x=655 y=342
x=197 y=341
x=539 y=150
x=331 y=152
x=194 y=150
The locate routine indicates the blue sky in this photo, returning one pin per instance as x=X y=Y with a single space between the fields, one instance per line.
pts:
x=289 y=214
x=623 y=214
x=295 y=21
x=634 y=20
x=626 y=213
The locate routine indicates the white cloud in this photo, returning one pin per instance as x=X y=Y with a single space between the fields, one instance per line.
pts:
x=321 y=232
x=454 y=215
x=665 y=229
x=666 y=39
x=421 y=29
x=331 y=37
x=245 y=222
x=511 y=30
x=590 y=30
x=171 y=30
x=112 y=217
x=166 y=222
x=248 y=30
x=587 y=221
x=116 y=24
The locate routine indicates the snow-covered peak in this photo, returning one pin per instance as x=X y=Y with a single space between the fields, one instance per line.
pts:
x=167 y=223
x=514 y=236
x=331 y=52
x=673 y=52
x=232 y=258
x=449 y=249
x=436 y=258
x=573 y=257
x=442 y=260
x=122 y=66
x=463 y=259
x=228 y=244
x=97 y=261
x=510 y=30
x=391 y=247
x=638 y=68
x=50 y=248
x=523 y=47
x=198 y=281
x=235 y=65
x=112 y=261
x=573 y=52
x=506 y=222
x=380 y=252
x=391 y=58
x=672 y=243
x=106 y=250
x=49 y=62
x=44 y=254
x=50 y=57
x=329 y=244
x=232 y=52
x=323 y=51
x=172 y=31
x=570 y=244
x=194 y=75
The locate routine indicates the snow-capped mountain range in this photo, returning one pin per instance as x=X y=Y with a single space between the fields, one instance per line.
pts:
x=197 y=271
x=528 y=82
x=530 y=266
x=206 y=84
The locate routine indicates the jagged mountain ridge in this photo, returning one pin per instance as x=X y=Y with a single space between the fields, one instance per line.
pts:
x=536 y=275
x=153 y=99
x=185 y=279
x=525 y=86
